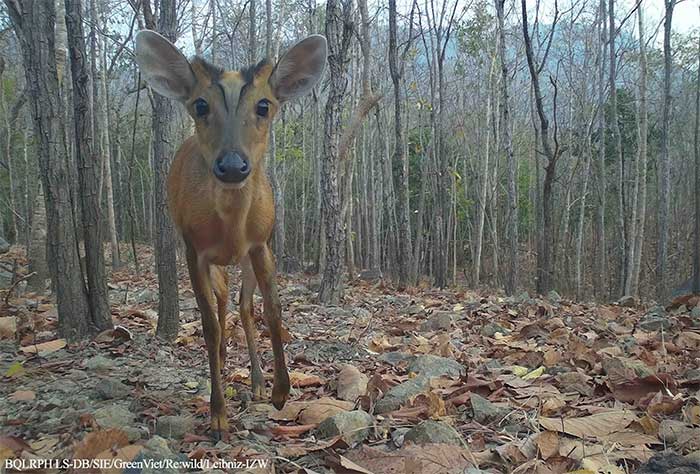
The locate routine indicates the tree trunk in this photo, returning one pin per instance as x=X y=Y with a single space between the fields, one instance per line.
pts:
x=664 y=164
x=338 y=34
x=36 y=252
x=511 y=282
x=600 y=272
x=164 y=134
x=33 y=22
x=696 y=143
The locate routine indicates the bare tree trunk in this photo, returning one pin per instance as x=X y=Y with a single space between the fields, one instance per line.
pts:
x=511 y=283
x=600 y=272
x=163 y=124
x=640 y=190
x=664 y=162
x=696 y=143
x=338 y=34
x=36 y=252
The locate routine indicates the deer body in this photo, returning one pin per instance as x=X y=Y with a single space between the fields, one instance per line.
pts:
x=218 y=193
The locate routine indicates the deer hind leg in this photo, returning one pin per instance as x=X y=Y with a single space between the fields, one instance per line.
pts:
x=220 y=283
x=264 y=266
x=248 y=284
x=202 y=286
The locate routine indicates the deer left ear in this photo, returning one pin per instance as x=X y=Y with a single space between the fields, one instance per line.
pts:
x=298 y=71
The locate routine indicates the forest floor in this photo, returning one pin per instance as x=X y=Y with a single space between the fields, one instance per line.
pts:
x=423 y=381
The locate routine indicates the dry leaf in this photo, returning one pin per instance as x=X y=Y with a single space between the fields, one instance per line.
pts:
x=351 y=383
x=301 y=380
x=8 y=327
x=547 y=443
x=23 y=395
x=98 y=441
x=45 y=347
x=600 y=424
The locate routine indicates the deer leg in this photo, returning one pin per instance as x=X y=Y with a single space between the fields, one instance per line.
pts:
x=248 y=284
x=201 y=284
x=220 y=283
x=264 y=266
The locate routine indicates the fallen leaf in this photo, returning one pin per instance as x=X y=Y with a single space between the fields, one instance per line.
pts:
x=45 y=347
x=301 y=380
x=547 y=443
x=292 y=431
x=23 y=395
x=98 y=441
x=599 y=424
x=8 y=327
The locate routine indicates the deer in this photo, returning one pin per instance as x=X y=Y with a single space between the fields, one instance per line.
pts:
x=219 y=195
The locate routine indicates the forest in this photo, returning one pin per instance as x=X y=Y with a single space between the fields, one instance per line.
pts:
x=465 y=193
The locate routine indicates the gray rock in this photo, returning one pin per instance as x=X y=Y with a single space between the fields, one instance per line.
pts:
x=351 y=383
x=398 y=436
x=5 y=278
x=110 y=388
x=669 y=463
x=490 y=330
x=147 y=295
x=352 y=426
x=156 y=449
x=484 y=411
x=655 y=319
x=174 y=426
x=413 y=310
x=435 y=366
x=400 y=394
x=371 y=275
x=430 y=431
x=554 y=297
x=627 y=301
x=113 y=416
x=4 y=246
x=440 y=320
x=395 y=358
x=99 y=363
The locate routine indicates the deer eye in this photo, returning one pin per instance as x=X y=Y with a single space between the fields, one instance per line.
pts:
x=262 y=108
x=201 y=108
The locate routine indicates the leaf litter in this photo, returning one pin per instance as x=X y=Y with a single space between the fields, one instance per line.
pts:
x=542 y=387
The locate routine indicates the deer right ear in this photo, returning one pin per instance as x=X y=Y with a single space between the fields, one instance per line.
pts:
x=164 y=67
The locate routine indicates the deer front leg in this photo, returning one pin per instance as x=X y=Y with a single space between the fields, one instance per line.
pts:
x=248 y=285
x=201 y=284
x=264 y=266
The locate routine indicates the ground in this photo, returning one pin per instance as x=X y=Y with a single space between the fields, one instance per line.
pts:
x=421 y=381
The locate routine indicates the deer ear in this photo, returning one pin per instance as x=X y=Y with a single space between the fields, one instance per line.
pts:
x=164 y=67
x=298 y=71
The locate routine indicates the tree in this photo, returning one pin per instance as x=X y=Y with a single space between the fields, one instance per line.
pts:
x=511 y=282
x=696 y=147
x=33 y=22
x=338 y=34
x=164 y=141
x=664 y=165
x=88 y=169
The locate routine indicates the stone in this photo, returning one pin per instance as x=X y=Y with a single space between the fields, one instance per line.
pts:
x=113 y=416
x=554 y=297
x=441 y=320
x=4 y=246
x=435 y=366
x=351 y=383
x=99 y=363
x=400 y=394
x=413 y=310
x=174 y=426
x=627 y=301
x=669 y=463
x=655 y=319
x=395 y=358
x=110 y=388
x=147 y=295
x=484 y=411
x=352 y=426
x=431 y=431
x=371 y=275
x=490 y=330
x=155 y=449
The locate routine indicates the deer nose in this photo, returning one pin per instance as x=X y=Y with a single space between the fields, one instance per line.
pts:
x=231 y=167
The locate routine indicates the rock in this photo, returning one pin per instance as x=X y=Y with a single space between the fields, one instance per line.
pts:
x=398 y=436
x=669 y=463
x=337 y=312
x=627 y=301
x=147 y=295
x=655 y=319
x=155 y=449
x=554 y=297
x=99 y=363
x=4 y=246
x=413 y=310
x=370 y=275
x=351 y=383
x=400 y=394
x=430 y=431
x=174 y=426
x=523 y=297
x=352 y=426
x=113 y=416
x=490 y=330
x=110 y=388
x=6 y=278
x=435 y=366
x=484 y=411
x=682 y=436
x=395 y=358
x=438 y=321
x=295 y=291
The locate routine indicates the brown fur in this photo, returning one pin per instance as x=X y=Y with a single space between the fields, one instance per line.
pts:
x=223 y=224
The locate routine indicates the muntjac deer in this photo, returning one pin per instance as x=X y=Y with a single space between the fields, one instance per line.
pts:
x=218 y=192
